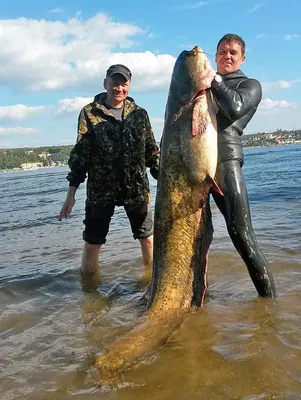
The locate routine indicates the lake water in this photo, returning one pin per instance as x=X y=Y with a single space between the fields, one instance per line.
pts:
x=238 y=346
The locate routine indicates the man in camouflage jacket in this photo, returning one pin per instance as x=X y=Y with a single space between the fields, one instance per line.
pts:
x=115 y=145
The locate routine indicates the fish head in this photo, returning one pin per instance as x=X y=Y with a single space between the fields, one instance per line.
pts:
x=190 y=134
x=191 y=77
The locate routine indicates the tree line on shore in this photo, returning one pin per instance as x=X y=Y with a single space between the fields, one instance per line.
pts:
x=58 y=155
x=44 y=156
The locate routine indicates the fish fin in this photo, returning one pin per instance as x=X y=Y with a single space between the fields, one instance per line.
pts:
x=199 y=120
x=215 y=187
x=199 y=129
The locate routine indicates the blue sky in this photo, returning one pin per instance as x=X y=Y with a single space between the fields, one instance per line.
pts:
x=53 y=57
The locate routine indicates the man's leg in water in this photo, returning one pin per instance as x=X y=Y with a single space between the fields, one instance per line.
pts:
x=97 y=223
x=234 y=205
x=90 y=256
x=140 y=217
x=147 y=256
x=89 y=269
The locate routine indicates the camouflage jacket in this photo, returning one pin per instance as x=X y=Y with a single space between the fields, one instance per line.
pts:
x=114 y=154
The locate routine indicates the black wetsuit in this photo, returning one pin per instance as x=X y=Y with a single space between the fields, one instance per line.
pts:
x=238 y=97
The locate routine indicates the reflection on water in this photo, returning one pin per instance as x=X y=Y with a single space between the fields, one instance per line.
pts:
x=238 y=346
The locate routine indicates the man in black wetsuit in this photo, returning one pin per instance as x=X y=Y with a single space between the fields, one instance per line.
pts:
x=237 y=97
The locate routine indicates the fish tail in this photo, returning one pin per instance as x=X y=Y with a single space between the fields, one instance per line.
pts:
x=152 y=331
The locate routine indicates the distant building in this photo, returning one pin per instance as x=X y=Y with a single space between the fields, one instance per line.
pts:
x=44 y=155
x=31 y=165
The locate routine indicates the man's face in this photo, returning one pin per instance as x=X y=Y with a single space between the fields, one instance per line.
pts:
x=229 y=57
x=117 y=88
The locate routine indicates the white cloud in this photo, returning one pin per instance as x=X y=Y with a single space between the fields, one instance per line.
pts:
x=20 y=130
x=282 y=84
x=71 y=106
x=196 y=5
x=39 y=54
x=186 y=46
x=20 y=112
x=157 y=125
x=157 y=120
x=255 y=8
x=260 y=35
x=276 y=85
x=152 y=35
x=291 y=36
x=150 y=72
x=56 y=11
x=199 y=4
x=269 y=106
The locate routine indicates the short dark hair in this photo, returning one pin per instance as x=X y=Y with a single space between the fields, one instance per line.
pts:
x=232 y=37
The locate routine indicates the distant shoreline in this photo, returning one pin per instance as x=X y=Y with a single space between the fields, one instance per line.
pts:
x=32 y=169
x=273 y=145
x=65 y=165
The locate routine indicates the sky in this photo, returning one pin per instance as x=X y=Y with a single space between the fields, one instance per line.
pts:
x=54 y=55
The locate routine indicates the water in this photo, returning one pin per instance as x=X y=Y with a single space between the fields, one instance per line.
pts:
x=238 y=346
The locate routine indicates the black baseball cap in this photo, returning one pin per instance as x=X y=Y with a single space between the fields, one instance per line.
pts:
x=119 y=69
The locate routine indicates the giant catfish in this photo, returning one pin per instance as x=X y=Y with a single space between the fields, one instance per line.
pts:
x=182 y=221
